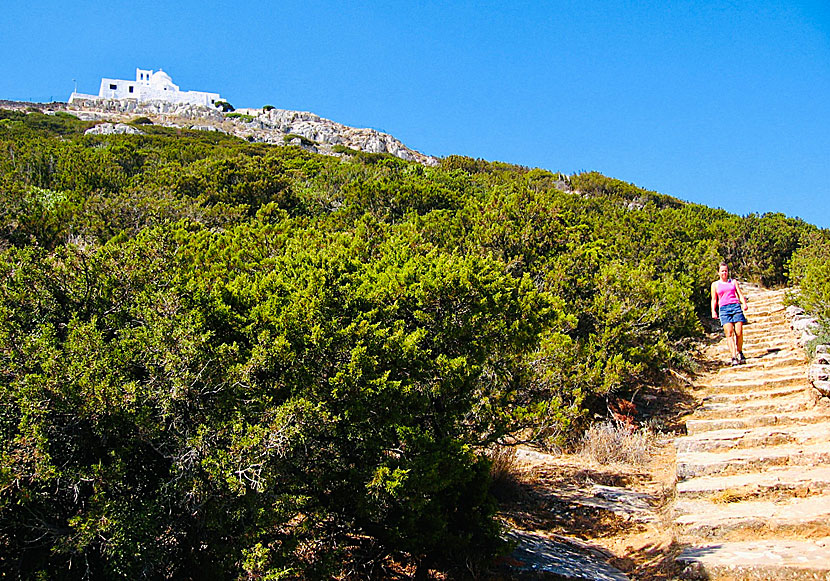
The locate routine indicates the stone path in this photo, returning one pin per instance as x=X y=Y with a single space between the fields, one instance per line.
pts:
x=753 y=491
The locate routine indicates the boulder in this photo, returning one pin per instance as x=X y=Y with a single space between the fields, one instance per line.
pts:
x=823 y=387
x=818 y=372
x=792 y=311
x=207 y=128
x=802 y=323
x=806 y=337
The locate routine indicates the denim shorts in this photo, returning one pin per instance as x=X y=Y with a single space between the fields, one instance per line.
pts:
x=731 y=313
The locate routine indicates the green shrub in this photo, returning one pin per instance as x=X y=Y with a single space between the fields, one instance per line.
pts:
x=809 y=270
x=304 y=140
x=240 y=116
x=224 y=106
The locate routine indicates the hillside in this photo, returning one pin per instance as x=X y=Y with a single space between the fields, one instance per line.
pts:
x=266 y=125
x=225 y=358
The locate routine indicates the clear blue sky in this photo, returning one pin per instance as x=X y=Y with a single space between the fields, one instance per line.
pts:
x=725 y=103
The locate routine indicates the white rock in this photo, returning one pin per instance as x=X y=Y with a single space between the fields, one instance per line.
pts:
x=818 y=372
x=823 y=387
x=113 y=129
x=207 y=128
x=792 y=311
x=801 y=323
x=806 y=337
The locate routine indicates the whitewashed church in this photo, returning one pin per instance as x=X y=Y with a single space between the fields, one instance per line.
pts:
x=149 y=86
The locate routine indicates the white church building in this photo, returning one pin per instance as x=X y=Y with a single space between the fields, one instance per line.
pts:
x=149 y=86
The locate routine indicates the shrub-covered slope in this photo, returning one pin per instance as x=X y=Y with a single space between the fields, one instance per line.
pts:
x=221 y=359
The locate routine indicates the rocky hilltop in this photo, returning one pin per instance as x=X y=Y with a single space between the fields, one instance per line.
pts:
x=268 y=125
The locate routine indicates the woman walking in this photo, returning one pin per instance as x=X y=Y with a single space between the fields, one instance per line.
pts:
x=728 y=305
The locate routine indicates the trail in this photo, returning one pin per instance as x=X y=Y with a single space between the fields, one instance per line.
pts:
x=753 y=471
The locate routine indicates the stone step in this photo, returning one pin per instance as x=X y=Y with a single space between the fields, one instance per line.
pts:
x=760 y=313
x=790 y=560
x=754 y=518
x=776 y=482
x=800 y=401
x=741 y=460
x=763 y=348
x=775 y=360
x=752 y=368
x=763 y=357
x=759 y=348
x=721 y=440
x=766 y=355
x=767 y=339
x=791 y=360
x=765 y=382
x=756 y=316
x=697 y=426
x=756 y=394
x=766 y=308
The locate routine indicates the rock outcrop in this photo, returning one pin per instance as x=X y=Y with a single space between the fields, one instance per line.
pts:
x=805 y=328
x=113 y=129
x=275 y=126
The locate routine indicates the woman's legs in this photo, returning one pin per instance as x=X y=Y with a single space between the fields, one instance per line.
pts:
x=729 y=331
x=739 y=338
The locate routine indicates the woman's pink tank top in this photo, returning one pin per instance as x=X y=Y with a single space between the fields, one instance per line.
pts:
x=727 y=293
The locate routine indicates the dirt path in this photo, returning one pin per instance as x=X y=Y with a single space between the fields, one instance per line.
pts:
x=740 y=491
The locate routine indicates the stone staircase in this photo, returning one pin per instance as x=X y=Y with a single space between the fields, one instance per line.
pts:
x=753 y=490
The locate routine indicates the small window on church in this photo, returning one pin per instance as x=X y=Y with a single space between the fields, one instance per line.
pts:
x=113 y=87
x=131 y=88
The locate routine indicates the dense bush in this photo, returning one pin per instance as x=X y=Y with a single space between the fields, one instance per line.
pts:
x=221 y=359
x=809 y=271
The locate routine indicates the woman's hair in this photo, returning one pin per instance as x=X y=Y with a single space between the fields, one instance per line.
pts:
x=723 y=264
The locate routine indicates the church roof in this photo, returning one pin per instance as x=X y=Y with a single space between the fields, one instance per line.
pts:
x=161 y=79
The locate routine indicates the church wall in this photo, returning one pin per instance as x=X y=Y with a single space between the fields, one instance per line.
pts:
x=123 y=89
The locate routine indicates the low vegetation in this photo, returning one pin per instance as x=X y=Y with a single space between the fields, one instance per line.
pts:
x=221 y=359
x=809 y=270
x=611 y=442
x=241 y=117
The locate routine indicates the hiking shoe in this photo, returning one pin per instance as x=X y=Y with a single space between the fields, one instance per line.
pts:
x=735 y=361
x=741 y=358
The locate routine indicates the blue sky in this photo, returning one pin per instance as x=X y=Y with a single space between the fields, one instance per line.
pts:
x=724 y=103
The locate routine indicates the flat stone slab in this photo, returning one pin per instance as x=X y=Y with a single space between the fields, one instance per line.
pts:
x=634 y=506
x=706 y=518
x=799 y=401
x=694 y=426
x=755 y=394
x=759 y=560
x=740 y=384
x=720 y=440
x=795 y=477
x=691 y=464
x=569 y=560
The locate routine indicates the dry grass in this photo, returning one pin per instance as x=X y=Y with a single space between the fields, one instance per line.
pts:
x=729 y=495
x=506 y=473
x=610 y=443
